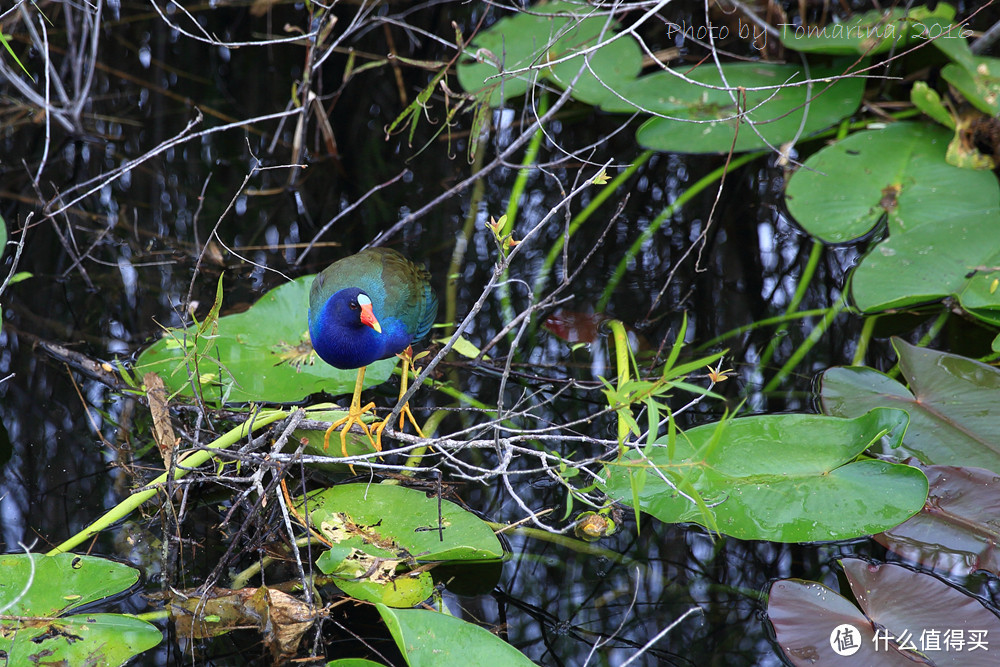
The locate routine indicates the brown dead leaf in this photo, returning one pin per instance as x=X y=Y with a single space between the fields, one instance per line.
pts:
x=280 y=617
x=163 y=431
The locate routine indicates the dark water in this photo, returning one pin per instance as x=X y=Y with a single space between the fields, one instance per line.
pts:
x=113 y=265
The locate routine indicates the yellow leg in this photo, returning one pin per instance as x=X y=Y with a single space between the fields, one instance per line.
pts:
x=354 y=414
x=407 y=357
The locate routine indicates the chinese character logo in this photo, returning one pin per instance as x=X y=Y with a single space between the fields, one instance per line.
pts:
x=845 y=639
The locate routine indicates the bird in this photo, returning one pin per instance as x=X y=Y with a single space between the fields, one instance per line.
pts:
x=363 y=308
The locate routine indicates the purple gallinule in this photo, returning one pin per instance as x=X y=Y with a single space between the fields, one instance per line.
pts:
x=367 y=307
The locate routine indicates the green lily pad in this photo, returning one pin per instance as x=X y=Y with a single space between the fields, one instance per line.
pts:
x=546 y=33
x=431 y=638
x=951 y=400
x=977 y=78
x=943 y=222
x=403 y=590
x=38 y=589
x=777 y=112
x=927 y=100
x=867 y=34
x=60 y=583
x=784 y=478
x=380 y=532
x=248 y=358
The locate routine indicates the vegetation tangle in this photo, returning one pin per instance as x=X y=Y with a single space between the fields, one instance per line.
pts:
x=577 y=178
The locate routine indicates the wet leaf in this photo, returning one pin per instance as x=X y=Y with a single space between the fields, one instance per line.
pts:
x=943 y=222
x=958 y=530
x=951 y=401
x=920 y=612
x=784 y=478
x=250 y=357
x=430 y=639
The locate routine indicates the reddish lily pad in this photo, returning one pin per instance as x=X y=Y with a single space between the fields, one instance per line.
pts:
x=958 y=530
x=951 y=400
x=905 y=617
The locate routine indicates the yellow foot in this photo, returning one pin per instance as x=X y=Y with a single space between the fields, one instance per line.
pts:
x=407 y=357
x=345 y=425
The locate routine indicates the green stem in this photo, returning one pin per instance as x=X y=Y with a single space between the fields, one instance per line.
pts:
x=462 y=243
x=602 y=195
x=777 y=319
x=866 y=336
x=665 y=215
x=125 y=507
x=815 y=253
x=513 y=206
x=562 y=540
x=935 y=329
x=803 y=349
x=621 y=362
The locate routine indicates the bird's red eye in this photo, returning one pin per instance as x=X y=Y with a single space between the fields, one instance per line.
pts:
x=354 y=305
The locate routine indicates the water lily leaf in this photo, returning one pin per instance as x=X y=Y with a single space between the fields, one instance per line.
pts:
x=977 y=78
x=784 y=478
x=906 y=617
x=378 y=533
x=957 y=530
x=951 y=401
x=59 y=583
x=390 y=518
x=403 y=591
x=545 y=33
x=927 y=100
x=869 y=33
x=777 y=112
x=943 y=222
x=430 y=638
x=80 y=639
x=35 y=591
x=252 y=356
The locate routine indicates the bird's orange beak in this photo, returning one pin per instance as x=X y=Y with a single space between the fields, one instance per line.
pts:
x=368 y=317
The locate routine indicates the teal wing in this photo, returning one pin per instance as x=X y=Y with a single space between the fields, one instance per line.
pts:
x=407 y=292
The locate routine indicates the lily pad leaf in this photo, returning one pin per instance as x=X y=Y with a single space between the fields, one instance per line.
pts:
x=957 y=529
x=35 y=592
x=869 y=33
x=59 y=583
x=783 y=478
x=547 y=33
x=977 y=78
x=906 y=618
x=253 y=355
x=951 y=401
x=378 y=533
x=938 y=244
x=705 y=119
x=431 y=638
